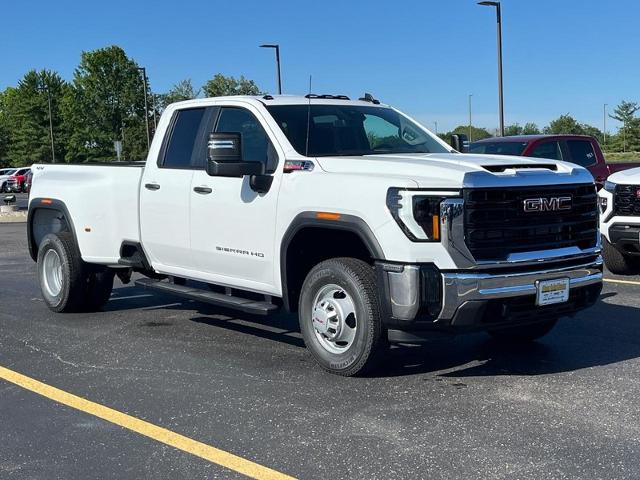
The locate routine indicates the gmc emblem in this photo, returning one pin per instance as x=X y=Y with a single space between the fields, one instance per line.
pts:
x=547 y=204
x=638 y=193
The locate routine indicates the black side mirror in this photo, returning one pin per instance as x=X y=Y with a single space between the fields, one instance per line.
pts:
x=460 y=142
x=224 y=157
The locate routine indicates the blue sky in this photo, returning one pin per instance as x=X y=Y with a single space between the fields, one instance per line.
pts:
x=423 y=56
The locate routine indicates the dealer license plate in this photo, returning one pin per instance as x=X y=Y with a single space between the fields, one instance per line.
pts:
x=552 y=291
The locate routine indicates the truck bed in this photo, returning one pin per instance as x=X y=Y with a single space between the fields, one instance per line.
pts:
x=101 y=198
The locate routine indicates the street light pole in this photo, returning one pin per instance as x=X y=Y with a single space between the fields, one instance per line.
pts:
x=146 y=104
x=53 y=149
x=436 y=125
x=276 y=47
x=604 y=124
x=470 y=95
x=500 y=84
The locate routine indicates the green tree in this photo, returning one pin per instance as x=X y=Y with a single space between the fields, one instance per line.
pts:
x=4 y=132
x=220 y=85
x=628 y=138
x=25 y=112
x=530 y=128
x=477 y=133
x=106 y=104
x=183 y=90
x=512 y=130
x=564 y=125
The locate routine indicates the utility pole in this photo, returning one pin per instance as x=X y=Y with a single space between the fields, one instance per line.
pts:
x=604 y=125
x=500 y=87
x=470 y=95
x=436 y=125
x=276 y=47
x=44 y=88
x=146 y=105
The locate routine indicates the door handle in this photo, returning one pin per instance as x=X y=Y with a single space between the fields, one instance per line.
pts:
x=203 y=190
x=152 y=186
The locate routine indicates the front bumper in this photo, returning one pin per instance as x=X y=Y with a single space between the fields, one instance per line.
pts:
x=625 y=238
x=420 y=296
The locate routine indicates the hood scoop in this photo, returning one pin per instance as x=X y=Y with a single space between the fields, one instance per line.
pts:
x=520 y=166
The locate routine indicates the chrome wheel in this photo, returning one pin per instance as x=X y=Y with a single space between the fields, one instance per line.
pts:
x=52 y=273
x=334 y=319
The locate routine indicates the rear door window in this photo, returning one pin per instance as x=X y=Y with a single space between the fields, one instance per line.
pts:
x=581 y=152
x=187 y=143
x=547 y=150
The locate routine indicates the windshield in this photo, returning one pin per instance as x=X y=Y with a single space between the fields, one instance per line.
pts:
x=345 y=130
x=498 y=148
x=9 y=172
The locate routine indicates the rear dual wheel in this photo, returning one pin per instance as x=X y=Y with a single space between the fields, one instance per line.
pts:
x=67 y=283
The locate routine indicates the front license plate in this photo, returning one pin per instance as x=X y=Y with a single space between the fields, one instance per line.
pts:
x=552 y=291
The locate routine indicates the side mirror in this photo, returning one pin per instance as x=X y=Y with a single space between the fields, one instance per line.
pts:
x=460 y=142
x=224 y=157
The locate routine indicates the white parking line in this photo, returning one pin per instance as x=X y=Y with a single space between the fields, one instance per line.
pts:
x=624 y=282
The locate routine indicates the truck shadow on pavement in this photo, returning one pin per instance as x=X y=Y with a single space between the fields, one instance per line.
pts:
x=602 y=335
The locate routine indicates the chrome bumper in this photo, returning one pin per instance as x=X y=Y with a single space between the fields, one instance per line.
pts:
x=404 y=287
x=459 y=288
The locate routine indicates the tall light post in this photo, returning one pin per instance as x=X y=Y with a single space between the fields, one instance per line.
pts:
x=499 y=29
x=604 y=124
x=435 y=124
x=276 y=47
x=470 y=95
x=146 y=104
x=44 y=88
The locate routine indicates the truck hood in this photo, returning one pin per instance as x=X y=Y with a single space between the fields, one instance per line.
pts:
x=456 y=170
x=626 y=177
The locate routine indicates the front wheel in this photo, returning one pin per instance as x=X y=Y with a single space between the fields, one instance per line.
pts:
x=340 y=317
x=523 y=333
x=617 y=262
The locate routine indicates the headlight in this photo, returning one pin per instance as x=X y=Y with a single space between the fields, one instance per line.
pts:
x=610 y=186
x=416 y=212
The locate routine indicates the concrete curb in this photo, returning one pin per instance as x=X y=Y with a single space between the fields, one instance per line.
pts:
x=13 y=217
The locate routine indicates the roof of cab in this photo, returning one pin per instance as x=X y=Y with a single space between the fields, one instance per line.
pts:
x=528 y=138
x=288 y=100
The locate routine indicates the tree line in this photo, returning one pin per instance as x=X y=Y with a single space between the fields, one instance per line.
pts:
x=105 y=103
x=626 y=139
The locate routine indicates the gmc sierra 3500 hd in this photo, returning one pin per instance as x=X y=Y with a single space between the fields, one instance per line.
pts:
x=348 y=212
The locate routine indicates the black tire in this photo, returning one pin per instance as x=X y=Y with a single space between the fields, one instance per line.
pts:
x=3 y=188
x=523 y=333
x=99 y=286
x=617 y=262
x=71 y=296
x=357 y=279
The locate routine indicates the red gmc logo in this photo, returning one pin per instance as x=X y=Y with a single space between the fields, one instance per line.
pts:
x=638 y=193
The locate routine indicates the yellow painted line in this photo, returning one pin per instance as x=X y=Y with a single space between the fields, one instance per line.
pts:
x=162 y=435
x=624 y=282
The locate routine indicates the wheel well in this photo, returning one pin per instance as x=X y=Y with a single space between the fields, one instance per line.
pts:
x=312 y=245
x=43 y=221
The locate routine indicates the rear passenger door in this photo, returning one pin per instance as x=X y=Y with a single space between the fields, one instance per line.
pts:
x=165 y=193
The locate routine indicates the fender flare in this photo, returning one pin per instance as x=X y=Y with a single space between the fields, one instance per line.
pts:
x=349 y=223
x=45 y=204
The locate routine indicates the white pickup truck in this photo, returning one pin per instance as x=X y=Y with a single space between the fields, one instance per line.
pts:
x=620 y=222
x=348 y=212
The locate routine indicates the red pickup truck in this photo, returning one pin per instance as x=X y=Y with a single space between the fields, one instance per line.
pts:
x=581 y=149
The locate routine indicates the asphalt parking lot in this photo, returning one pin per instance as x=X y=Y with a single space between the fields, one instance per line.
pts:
x=564 y=407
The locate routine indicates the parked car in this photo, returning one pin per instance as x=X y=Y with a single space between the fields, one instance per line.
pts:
x=620 y=222
x=580 y=149
x=348 y=212
x=15 y=183
x=5 y=174
x=28 y=178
